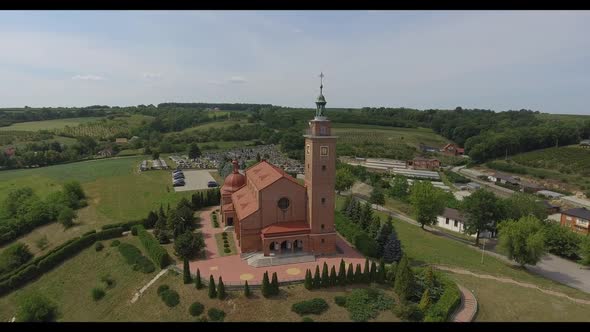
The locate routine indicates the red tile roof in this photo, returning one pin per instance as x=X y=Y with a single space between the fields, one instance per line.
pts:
x=228 y=207
x=245 y=203
x=286 y=228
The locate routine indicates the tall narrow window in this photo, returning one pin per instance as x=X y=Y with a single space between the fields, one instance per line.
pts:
x=323 y=167
x=323 y=151
x=323 y=200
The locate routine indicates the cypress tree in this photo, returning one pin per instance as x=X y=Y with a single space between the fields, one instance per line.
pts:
x=404 y=279
x=186 y=272
x=198 y=282
x=382 y=236
x=308 y=283
x=274 y=285
x=381 y=272
x=429 y=278
x=374 y=227
x=212 y=291
x=392 y=252
x=366 y=276
x=358 y=275
x=221 y=290
x=317 y=281
x=333 y=278
x=325 y=276
x=425 y=301
x=246 y=289
x=373 y=273
x=350 y=274
x=266 y=292
x=342 y=273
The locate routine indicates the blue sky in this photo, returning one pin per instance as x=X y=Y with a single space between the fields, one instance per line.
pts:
x=499 y=60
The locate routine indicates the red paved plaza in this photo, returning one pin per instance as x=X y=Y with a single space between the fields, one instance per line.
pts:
x=234 y=270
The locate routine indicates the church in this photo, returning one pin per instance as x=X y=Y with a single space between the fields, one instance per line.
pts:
x=273 y=213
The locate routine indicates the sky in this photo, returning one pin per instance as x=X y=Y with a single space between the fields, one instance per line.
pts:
x=498 y=60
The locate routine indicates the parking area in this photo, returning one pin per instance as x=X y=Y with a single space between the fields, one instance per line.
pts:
x=195 y=180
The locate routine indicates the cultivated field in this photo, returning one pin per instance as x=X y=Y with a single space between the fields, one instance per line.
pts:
x=103 y=128
x=48 y=124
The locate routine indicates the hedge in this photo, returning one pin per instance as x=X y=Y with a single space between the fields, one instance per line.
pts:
x=314 y=306
x=135 y=258
x=126 y=225
x=355 y=235
x=154 y=249
x=35 y=268
x=446 y=304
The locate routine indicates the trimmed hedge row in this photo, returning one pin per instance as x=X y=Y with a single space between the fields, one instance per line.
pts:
x=314 y=306
x=135 y=258
x=38 y=266
x=154 y=249
x=126 y=225
x=446 y=304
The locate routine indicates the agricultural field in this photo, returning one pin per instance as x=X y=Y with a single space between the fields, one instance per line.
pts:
x=49 y=124
x=215 y=124
x=566 y=167
x=385 y=142
x=103 y=128
x=108 y=183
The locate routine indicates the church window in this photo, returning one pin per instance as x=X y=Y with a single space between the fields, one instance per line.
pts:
x=323 y=130
x=323 y=167
x=283 y=203
x=322 y=226
x=308 y=149
x=323 y=151
x=323 y=241
x=323 y=200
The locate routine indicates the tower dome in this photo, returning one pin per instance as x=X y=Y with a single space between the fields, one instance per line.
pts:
x=235 y=180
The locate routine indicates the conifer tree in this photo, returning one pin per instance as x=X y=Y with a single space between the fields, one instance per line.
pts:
x=325 y=276
x=346 y=205
x=429 y=278
x=381 y=272
x=221 y=289
x=342 y=273
x=274 y=285
x=366 y=272
x=404 y=279
x=373 y=273
x=425 y=301
x=358 y=274
x=186 y=272
x=366 y=216
x=198 y=281
x=382 y=236
x=212 y=291
x=350 y=275
x=374 y=227
x=246 y=289
x=308 y=282
x=317 y=281
x=333 y=278
x=266 y=292
x=392 y=252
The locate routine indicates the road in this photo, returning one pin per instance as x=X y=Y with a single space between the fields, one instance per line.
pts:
x=500 y=191
x=550 y=266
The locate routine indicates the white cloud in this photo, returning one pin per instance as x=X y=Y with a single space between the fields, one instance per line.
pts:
x=237 y=79
x=88 y=78
x=152 y=76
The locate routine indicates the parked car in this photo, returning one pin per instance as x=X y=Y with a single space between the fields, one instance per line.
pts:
x=178 y=184
x=211 y=184
x=177 y=171
x=178 y=175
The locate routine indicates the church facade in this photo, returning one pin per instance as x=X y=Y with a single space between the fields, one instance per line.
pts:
x=273 y=213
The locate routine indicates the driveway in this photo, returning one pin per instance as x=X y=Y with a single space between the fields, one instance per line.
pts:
x=195 y=180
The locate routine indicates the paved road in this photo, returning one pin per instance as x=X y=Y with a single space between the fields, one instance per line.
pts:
x=550 y=267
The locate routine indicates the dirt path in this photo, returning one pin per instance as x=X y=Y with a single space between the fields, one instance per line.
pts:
x=509 y=281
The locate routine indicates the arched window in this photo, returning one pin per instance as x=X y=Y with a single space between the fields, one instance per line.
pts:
x=283 y=203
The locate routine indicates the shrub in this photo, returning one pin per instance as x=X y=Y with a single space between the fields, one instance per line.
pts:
x=98 y=246
x=308 y=281
x=170 y=297
x=134 y=258
x=221 y=289
x=134 y=230
x=35 y=307
x=266 y=289
x=97 y=293
x=115 y=243
x=227 y=250
x=408 y=312
x=216 y=315
x=247 y=289
x=14 y=256
x=212 y=290
x=446 y=304
x=224 y=234
x=153 y=248
x=196 y=309
x=307 y=320
x=314 y=306
x=198 y=281
x=162 y=289
x=340 y=301
x=108 y=281
x=226 y=245
x=364 y=304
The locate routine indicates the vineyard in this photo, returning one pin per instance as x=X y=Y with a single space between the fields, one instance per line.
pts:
x=103 y=128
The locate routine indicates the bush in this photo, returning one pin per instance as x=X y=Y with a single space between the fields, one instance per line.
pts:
x=196 y=309
x=340 y=301
x=35 y=307
x=224 y=234
x=446 y=304
x=170 y=297
x=98 y=246
x=14 y=256
x=364 y=304
x=134 y=257
x=153 y=248
x=162 y=289
x=408 y=312
x=227 y=250
x=134 y=230
x=216 y=315
x=314 y=306
x=108 y=281
x=115 y=243
x=226 y=245
x=97 y=293
x=307 y=320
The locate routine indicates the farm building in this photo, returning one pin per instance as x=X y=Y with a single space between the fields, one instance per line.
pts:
x=578 y=219
x=143 y=166
x=585 y=143
x=471 y=186
x=108 y=152
x=461 y=194
x=551 y=208
x=503 y=178
x=453 y=220
x=452 y=150
x=426 y=148
x=418 y=174
x=549 y=194
x=121 y=140
x=530 y=187
x=436 y=184
x=423 y=163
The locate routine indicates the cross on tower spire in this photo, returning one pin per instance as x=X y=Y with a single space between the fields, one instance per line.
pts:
x=321 y=101
x=321 y=81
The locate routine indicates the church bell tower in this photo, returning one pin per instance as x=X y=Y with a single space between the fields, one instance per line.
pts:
x=320 y=178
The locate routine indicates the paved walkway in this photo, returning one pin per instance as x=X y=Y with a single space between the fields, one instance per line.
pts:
x=151 y=282
x=236 y=271
x=468 y=308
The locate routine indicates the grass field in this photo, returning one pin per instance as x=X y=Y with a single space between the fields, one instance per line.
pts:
x=511 y=303
x=215 y=124
x=547 y=165
x=103 y=127
x=49 y=124
x=116 y=192
x=232 y=244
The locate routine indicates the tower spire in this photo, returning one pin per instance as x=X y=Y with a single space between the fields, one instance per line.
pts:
x=321 y=101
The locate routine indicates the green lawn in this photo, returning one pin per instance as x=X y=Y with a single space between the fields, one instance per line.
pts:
x=49 y=124
x=220 y=247
x=511 y=303
x=216 y=124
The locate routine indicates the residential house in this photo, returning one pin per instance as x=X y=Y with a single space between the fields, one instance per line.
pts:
x=108 y=152
x=578 y=219
x=452 y=149
x=503 y=178
x=453 y=220
x=585 y=144
x=423 y=163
